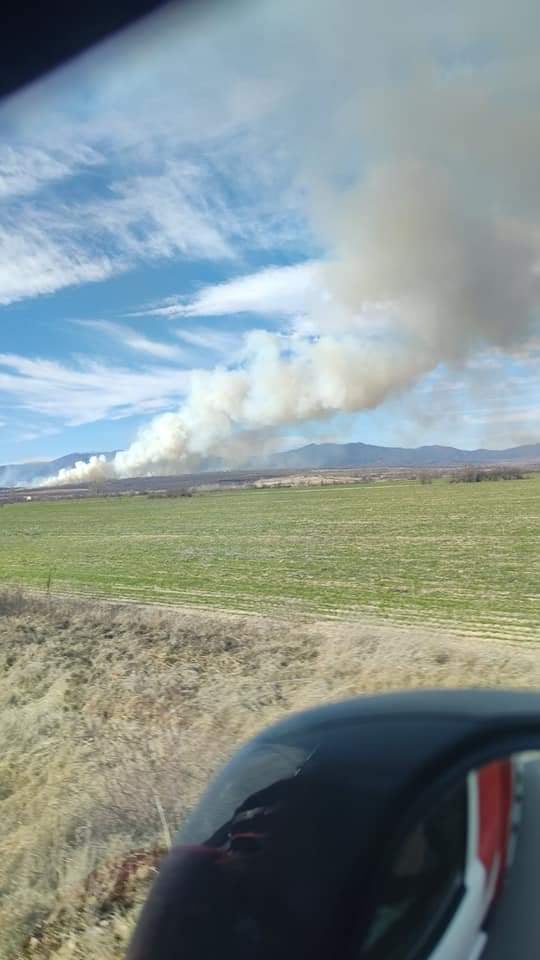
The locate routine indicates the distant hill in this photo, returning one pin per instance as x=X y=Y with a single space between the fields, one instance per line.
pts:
x=321 y=455
x=20 y=474
x=313 y=456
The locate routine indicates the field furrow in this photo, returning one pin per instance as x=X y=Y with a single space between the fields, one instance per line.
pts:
x=457 y=556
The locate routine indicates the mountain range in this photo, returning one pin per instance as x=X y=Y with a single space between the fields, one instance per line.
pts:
x=314 y=456
x=321 y=455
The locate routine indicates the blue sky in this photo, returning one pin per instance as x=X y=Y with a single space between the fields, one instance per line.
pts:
x=174 y=190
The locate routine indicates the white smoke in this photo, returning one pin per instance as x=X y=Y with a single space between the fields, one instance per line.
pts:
x=281 y=381
x=416 y=138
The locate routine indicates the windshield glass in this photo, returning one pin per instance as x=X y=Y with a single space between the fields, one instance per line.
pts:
x=269 y=414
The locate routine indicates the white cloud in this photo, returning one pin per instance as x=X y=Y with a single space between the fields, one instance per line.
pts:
x=135 y=340
x=88 y=391
x=25 y=168
x=217 y=341
x=295 y=294
x=37 y=434
x=280 y=291
x=33 y=261
x=528 y=353
x=149 y=217
x=142 y=218
x=49 y=245
x=208 y=135
x=169 y=144
x=524 y=415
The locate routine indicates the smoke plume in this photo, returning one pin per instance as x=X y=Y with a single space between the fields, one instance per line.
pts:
x=418 y=150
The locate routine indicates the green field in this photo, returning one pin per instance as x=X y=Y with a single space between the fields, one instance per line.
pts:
x=464 y=556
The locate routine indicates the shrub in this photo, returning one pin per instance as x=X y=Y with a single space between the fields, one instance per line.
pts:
x=477 y=474
x=169 y=494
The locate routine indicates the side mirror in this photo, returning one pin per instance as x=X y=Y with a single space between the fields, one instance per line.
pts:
x=463 y=883
x=383 y=828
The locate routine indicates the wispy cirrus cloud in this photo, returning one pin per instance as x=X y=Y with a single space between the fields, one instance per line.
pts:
x=295 y=294
x=523 y=415
x=340 y=138
x=51 y=244
x=526 y=354
x=213 y=340
x=162 y=176
x=134 y=340
x=87 y=391
x=37 y=260
x=196 y=341
x=37 y=434
x=25 y=168
x=282 y=291
x=146 y=210
x=147 y=217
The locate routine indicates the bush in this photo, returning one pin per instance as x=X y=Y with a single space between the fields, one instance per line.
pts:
x=477 y=475
x=168 y=494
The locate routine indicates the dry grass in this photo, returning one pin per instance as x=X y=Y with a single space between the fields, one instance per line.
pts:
x=112 y=719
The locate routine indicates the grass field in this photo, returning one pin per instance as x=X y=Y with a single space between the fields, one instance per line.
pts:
x=113 y=716
x=462 y=556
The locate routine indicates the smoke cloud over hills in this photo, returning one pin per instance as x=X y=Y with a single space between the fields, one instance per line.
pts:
x=414 y=136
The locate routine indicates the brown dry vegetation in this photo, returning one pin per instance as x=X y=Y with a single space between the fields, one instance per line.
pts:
x=112 y=718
